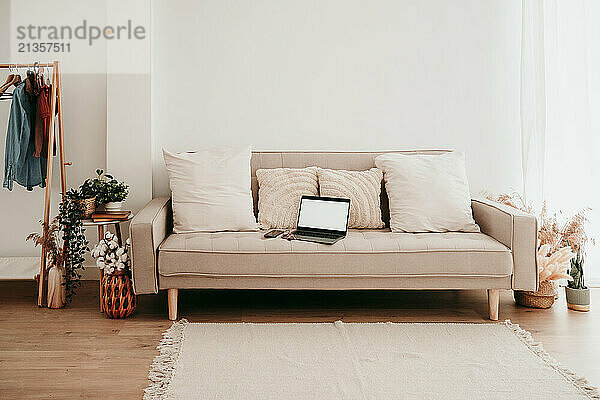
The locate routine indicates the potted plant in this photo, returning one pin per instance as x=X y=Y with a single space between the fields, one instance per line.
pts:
x=65 y=261
x=555 y=230
x=106 y=189
x=103 y=189
x=86 y=198
x=578 y=295
x=70 y=216
x=50 y=239
x=114 y=193
x=552 y=267
x=118 y=298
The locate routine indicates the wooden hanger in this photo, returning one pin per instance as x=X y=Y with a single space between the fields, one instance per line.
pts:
x=8 y=83
x=17 y=80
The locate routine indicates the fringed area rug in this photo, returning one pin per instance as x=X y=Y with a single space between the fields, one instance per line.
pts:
x=358 y=361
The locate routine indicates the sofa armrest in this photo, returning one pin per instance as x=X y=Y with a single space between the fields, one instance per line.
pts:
x=516 y=230
x=147 y=230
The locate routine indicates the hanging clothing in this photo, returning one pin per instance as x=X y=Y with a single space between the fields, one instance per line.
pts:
x=19 y=163
x=42 y=121
x=32 y=84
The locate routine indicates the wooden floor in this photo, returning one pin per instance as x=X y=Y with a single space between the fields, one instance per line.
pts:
x=78 y=353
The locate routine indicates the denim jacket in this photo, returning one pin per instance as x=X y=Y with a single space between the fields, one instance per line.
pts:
x=19 y=163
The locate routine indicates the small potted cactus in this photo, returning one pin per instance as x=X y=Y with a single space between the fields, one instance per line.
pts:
x=578 y=295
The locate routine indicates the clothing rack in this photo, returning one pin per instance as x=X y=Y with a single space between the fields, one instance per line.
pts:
x=56 y=112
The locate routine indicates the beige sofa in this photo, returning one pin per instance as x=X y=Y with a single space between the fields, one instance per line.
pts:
x=503 y=256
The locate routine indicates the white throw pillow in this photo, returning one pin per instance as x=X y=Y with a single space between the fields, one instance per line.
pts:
x=279 y=194
x=427 y=193
x=211 y=190
x=363 y=188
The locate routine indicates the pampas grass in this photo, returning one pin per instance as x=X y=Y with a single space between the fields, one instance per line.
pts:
x=570 y=233
x=554 y=266
x=558 y=242
x=49 y=239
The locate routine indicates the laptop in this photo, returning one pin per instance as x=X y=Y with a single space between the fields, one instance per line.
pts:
x=322 y=219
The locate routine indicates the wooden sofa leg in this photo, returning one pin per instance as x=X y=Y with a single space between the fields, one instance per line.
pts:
x=172 y=294
x=493 y=303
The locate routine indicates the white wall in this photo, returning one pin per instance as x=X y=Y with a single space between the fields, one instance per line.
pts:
x=84 y=103
x=340 y=74
x=94 y=104
x=282 y=74
x=128 y=140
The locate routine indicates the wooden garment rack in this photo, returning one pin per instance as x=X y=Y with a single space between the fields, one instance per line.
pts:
x=56 y=111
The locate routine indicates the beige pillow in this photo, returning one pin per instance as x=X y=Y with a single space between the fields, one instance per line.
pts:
x=279 y=194
x=211 y=190
x=363 y=188
x=428 y=193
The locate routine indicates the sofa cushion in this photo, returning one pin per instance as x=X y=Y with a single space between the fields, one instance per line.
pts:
x=428 y=193
x=361 y=253
x=363 y=188
x=211 y=190
x=279 y=194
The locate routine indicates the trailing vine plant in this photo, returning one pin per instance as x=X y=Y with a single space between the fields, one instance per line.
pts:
x=75 y=244
x=67 y=226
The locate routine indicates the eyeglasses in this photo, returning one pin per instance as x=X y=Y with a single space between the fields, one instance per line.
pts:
x=288 y=235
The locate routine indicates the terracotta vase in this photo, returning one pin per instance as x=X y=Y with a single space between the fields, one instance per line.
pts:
x=118 y=298
x=57 y=294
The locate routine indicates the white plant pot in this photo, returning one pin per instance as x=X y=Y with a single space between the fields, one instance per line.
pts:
x=113 y=205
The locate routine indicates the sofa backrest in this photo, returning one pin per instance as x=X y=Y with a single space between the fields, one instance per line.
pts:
x=352 y=161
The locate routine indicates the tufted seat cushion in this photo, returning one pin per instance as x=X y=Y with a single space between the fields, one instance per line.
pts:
x=376 y=253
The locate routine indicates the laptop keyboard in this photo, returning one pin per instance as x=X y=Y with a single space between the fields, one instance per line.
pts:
x=318 y=234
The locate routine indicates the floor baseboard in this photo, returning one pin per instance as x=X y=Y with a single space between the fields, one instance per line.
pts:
x=25 y=268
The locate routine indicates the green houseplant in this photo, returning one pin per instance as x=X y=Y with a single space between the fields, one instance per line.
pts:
x=66 y=245
x=70 y=216
x=114 y=194
x=87 y=195
x=106 y=189
x=578 y=295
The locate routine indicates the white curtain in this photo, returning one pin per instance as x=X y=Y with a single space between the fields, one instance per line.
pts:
x=560 y=110
x=533 y=100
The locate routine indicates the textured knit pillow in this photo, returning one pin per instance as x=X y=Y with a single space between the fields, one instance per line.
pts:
x=279 y=193
x=363 y=188
x=428 y=193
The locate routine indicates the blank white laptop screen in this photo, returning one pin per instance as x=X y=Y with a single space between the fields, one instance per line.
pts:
x=320 y=214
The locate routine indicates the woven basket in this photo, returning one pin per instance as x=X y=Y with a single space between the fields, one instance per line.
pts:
x=118 y=298
x=542 y=298
x=88 y=206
